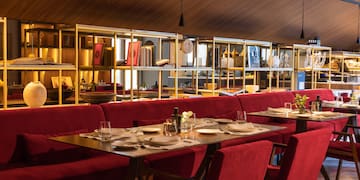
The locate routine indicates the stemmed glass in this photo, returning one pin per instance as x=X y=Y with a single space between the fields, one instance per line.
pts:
x=241 y=116
x=288 y=108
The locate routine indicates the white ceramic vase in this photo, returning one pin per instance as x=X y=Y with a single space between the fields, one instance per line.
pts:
x=34 y=94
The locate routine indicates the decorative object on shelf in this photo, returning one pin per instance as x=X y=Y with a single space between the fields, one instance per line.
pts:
x=187 y=46
x=133 y=53
x=300 y=103
x=97 y=97
x=308 y=60
x=227 y=61
x=35 y=94
x=285 y=61
x=319 y=59
x=98 y=54
x=254 y=56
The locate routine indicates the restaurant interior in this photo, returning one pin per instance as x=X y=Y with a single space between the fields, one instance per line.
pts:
x=180 y=89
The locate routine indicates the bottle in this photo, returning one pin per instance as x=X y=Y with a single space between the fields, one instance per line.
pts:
x=177 y=118
x=318 y=103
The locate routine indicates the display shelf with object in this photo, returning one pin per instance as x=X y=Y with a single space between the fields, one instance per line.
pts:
x=43 y=60
x=345 y=70
x=314 y=61
x=225 y=57
x=193 y=70
x=282 y=65
x=135 y=53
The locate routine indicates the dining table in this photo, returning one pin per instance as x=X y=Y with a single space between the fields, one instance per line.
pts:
x=211 y=133
x=302 y=118
x=353 y=108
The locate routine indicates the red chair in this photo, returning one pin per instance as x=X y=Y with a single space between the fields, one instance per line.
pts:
x=303 y=156
x=345 y=147
x=244 y=161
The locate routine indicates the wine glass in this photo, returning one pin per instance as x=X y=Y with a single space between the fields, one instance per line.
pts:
x=241 y=116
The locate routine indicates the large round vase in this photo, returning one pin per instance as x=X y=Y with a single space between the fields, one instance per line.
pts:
x=35 y=94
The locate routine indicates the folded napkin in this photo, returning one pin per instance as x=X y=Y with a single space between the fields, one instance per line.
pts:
x=278 y=110
x=255 y=131
x=95 y=135
x=204 y=122
x=180 y=144
x=245 y=127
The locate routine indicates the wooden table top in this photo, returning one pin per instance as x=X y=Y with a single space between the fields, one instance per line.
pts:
x=318 y=116
x=203 y=139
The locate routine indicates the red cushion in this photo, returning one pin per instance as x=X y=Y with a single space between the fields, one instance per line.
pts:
x=45 y=120
x=40 y=150
x=261 y=102
x=325 y=94
x=123 y=114
x=108 y=166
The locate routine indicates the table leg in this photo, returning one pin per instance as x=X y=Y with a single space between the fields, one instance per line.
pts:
x=135 y=168
x=301 y=126
x=211 y=148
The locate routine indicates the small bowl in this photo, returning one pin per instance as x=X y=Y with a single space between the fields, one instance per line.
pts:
x=97 y=97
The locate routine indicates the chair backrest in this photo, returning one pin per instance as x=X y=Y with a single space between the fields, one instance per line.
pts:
x=304 y=155
x=244 y=161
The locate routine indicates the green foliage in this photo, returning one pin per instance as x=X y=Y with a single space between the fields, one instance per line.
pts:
x=300 y=101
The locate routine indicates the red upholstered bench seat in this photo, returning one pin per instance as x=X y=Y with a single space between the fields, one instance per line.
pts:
x=27 y=153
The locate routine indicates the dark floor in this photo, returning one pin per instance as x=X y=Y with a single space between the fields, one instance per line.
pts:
x=348 y=171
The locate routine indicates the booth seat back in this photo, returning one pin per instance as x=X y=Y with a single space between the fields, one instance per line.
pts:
x=325 y=94
x=124 y=114
x=261 y=101
x=48 y=121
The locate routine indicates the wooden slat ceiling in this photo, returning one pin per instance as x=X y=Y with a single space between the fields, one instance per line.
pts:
x=335 y=22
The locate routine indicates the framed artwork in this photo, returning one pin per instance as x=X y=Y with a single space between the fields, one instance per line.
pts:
x=133 y=53
x=65 y=80
x=253 y=56
x=98 y=53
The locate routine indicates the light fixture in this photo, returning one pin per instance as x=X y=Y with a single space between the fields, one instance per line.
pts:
x=302 y=36
x=181 y=21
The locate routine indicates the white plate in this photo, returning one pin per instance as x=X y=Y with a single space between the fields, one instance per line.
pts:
x=223 y=121
x=162 y=140
x=350 y=105
x=121 y=145
x=208 y=131
x=246 y=127
x=323 y=113
x=150 y=130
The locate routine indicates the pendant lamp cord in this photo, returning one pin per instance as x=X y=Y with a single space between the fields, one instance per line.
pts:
x=303 y=16
x=358 y=26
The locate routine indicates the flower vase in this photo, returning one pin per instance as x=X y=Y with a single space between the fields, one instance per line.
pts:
x=302 y=110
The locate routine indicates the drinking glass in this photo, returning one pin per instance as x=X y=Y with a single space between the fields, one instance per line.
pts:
x=105 y=131
x=288 y=108
x=314 y=106
x=339 y=100
x=169 y=127
x=241 y=116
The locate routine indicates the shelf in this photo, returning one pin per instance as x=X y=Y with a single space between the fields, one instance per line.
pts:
x=68 y=67
x=97 y=68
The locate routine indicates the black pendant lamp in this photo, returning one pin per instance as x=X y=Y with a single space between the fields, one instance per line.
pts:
x=181 y=21
x=302 y=36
